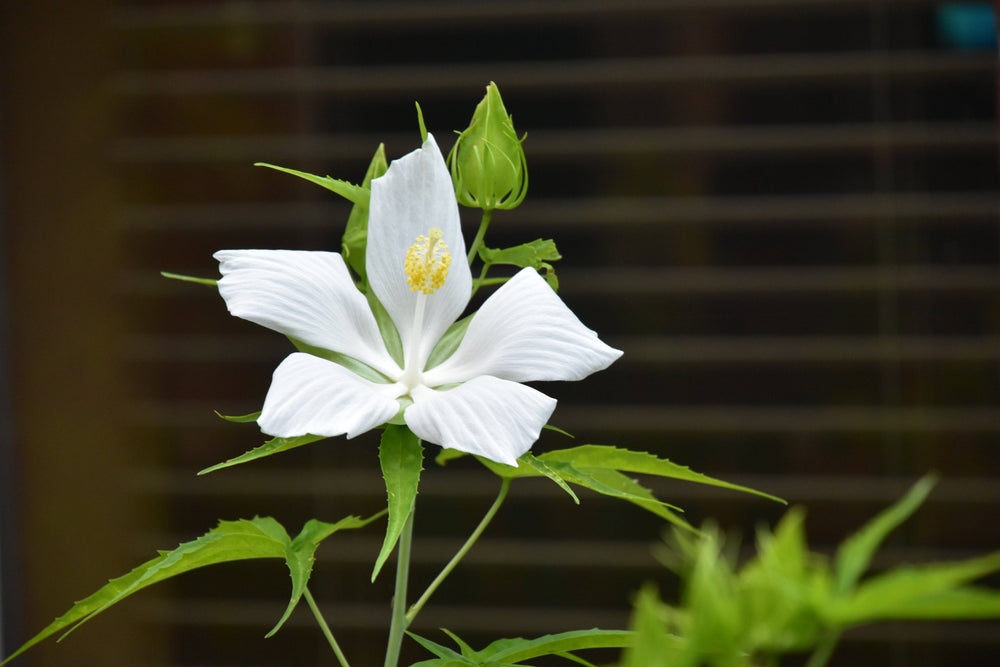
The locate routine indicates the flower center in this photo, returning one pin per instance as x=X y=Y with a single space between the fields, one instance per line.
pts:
x=427 y=262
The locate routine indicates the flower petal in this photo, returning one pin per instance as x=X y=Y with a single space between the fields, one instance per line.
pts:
x=487 y=416
x=305 y=295
x=313 y=395
x=524 y=332
x=413 y=196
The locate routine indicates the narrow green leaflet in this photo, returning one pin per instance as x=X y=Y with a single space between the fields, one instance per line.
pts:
x=300 y=554
x=515 y=651
x=543 y=468
x=260 y=537
x=402 y=459
x=856 y=552
x=625 y=460
x=891 y=595
x=349 y=191
x=350 y=363
x=448 y=343
x=387 y=329
x=240 y=419
x=189 y=279
x=355 y=240
x=272 y=446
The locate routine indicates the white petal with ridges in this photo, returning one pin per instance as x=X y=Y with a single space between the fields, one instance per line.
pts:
x=305 y=295
x=525 y=333
x=415 y=195
x=494 y=418
x=313 y=395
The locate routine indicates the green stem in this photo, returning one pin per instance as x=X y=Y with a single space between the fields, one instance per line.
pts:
x=822 y=654
x=325 y=628
x=490 y=513
x=480 y=280
x=399 y=622
x=478 y=241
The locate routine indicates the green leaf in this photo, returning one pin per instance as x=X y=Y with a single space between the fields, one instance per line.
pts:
x=350 y=363
x=240 y=419
x=856 y=552
x=967 y=603
x=603 y=456
x=402 y=459
x=354 y=242
x=272 y=446
x=420 y=123
x=653 y=645
x=518 y=650
x=230 y=541
x=387 y=328
x=892 y=594
x=544 y=469
x=446 y=455
x=300 y=556
x=190 y=279
x=349 y=191
x=450 y=656
x=550 y=427
x=537 y=254
x=465 y=648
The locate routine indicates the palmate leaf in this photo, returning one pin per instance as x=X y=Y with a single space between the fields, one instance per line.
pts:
x=260 y=537
x=402 y=459
x=516 y=650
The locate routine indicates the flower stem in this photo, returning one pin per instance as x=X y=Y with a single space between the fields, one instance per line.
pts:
x=484 y=223
x=325 y=628
x=399 y=621
x=490 y=513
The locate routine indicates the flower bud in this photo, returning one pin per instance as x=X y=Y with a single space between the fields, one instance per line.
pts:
x=487 y=162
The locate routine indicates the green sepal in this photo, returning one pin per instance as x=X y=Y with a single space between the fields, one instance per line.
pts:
x=446 y=455
x=245 y=539
x=550 y=427
x=449 y=342
x=856 y=552
x=239 y=419
x=350 y=363
x=272 y=446
x=420 y=123
x=402 y=457
x=387 y=328
x=190 y=279
x=354 y=242
x=349 y=191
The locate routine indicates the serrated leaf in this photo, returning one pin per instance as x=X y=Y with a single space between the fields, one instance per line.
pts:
x=518 y=650
x=229 y=541
x=625 y=460
x=301 y=554
x=272 y=446
x=349 y=191
x=190 y=279
x=354 y=242
x=545 y=470
x=449 y=655
x=465 y=648
x=856 y=552
x=402 y=457
x=240 y=419
x=536 y=254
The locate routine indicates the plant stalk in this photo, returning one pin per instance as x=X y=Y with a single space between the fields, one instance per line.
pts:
x=484 y=223
x=399 y=621
x=325 y=628
x=490 y=513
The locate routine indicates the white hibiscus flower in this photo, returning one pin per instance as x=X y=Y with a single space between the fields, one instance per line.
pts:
x=474 y=400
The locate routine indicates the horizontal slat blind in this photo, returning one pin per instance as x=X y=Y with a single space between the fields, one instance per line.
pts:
x=783 y=211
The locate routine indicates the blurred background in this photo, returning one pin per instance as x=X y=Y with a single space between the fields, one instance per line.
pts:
x=783 y=211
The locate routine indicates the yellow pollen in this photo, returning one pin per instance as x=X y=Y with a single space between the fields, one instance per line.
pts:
x=427 y=262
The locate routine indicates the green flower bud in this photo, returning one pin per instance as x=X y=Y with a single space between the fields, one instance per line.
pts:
x=487 y=161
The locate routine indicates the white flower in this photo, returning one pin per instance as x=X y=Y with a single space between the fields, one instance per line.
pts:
x=474 y=400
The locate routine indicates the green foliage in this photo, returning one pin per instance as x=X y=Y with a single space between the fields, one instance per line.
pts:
x=260 y=537
x=355 y=240
x=349 y=191
x=515 y=651
x=189 y=279
x=536 y=254
x=449 y=342
x=601 y=468
x=789 y=599
x=402 y=457
x=272 y=446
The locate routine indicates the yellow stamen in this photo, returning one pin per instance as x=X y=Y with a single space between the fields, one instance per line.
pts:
x=427 y=262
